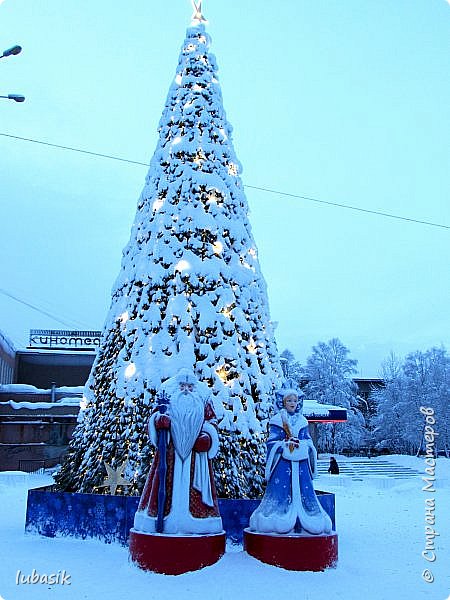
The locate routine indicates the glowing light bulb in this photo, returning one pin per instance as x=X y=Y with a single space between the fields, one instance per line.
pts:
x=222 y=374
x=124 y=317
x=177 y=140
x=83 y=403
x=252 y=251
x=217 y=247
x=178 y=79
x=130 y=370
x=157 y=204
x=252 y=346
x=182 y=265
x=232 y=169
x=226 y=312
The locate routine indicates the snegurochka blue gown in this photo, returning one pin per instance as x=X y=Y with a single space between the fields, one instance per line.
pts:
x=290 y=504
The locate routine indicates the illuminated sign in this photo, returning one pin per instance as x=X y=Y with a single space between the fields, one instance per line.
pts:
x=46 y=339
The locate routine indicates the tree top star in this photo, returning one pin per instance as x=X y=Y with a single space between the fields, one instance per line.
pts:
x=197 y=16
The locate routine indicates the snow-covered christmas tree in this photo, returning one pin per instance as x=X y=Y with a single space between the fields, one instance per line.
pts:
x=190 y=293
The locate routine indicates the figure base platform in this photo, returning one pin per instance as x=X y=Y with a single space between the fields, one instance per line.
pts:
x=296 y=552
x=175 y=554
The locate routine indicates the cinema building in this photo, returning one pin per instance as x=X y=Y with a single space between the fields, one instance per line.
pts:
x=40 y=392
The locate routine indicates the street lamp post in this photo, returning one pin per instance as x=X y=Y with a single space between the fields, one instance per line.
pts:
x=13 y=51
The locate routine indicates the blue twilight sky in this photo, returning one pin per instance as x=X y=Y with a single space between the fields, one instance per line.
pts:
x=346 y=101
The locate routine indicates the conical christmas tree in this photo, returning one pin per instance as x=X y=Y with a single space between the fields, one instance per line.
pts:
x=189 y=294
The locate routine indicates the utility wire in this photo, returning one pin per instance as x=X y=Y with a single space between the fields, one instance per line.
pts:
x=349 y=207
x=254 y=187
x=37 y=309
x=16 y=137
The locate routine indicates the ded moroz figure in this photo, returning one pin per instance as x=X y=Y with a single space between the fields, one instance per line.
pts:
x=179 y=496
x=290 y=504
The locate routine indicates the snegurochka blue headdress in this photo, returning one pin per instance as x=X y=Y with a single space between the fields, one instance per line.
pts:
x=289 y=387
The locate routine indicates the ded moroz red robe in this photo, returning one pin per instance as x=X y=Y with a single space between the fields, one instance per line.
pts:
x=191 y=501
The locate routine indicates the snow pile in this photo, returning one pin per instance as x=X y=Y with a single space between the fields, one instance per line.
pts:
x=381 y=538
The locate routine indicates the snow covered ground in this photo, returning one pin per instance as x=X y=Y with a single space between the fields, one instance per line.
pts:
x=381 y=531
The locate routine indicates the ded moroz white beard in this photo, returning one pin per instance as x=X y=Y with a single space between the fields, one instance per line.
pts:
x=186 y=412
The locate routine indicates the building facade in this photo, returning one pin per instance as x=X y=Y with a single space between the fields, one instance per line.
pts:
x=7 y=360
x=40 y=393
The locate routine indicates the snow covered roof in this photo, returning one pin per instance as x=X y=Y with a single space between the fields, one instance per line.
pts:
x=56 y=351
x=22 y=388
x=324 y=413
x=27 y=397
x=71 y=401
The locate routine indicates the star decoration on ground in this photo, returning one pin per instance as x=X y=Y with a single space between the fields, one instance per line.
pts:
x=197 y=16
x=115 y=477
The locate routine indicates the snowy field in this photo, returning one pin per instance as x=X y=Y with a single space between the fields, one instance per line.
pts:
x=380 y=522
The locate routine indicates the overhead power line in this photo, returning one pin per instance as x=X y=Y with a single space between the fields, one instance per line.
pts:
x=133 y=162
x=254 y=187
x=350 y=207
x=36 y=308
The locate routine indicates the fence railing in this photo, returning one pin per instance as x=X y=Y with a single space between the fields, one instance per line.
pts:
x=32 y=466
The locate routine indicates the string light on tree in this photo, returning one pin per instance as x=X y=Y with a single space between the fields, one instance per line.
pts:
x=130 y=370
x=124 y=317
x=217 y=247
x=157 y=204
x=227 y=312
x=182 y=265
x=252 y=347
x=222 y=373
x=232 y=169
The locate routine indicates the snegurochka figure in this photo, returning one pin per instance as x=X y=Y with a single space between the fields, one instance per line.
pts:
x=290 y=504
x=179 y=496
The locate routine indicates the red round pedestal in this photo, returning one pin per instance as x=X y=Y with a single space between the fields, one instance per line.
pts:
x=294 y=552
x=174 y=554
